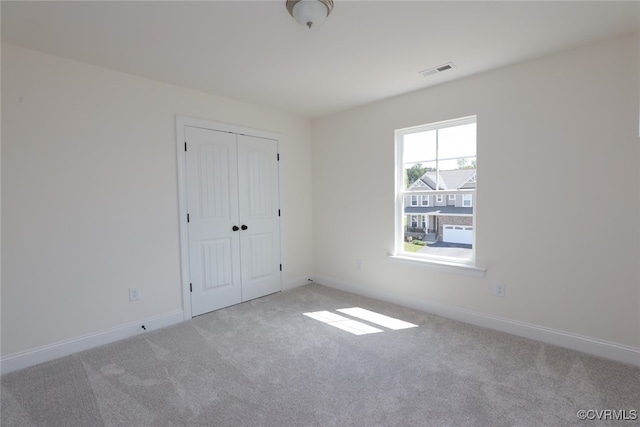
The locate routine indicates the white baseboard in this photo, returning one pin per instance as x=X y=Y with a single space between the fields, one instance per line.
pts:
x=64 y=348
x=297 y=282
x=593 y=346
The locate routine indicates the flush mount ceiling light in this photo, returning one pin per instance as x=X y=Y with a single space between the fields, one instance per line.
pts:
x=310 y=12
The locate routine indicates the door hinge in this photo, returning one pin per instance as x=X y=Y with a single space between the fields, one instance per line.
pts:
x=185 y=146
x=190 y=287
x=187 y=217
x=280 y=267
x=278 y=212
x=278 y=156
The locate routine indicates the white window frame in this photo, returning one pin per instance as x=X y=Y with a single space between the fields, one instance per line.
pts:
x=424 y=199
x=439 y=198
x=453 y=264
x=467 y=198
x=452 y=197
x=413 y=200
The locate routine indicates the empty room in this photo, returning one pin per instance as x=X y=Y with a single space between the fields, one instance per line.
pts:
x=320 y=213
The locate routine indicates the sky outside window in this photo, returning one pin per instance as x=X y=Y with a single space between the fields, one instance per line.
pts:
x=456 y=142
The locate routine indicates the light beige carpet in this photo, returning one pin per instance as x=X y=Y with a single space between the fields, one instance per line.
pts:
x=264 y=363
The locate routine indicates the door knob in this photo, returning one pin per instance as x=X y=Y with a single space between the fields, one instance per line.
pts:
x=235 y=228
x=244 y=227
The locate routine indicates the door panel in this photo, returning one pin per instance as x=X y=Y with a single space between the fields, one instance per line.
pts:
x=216 y=264
x=212 y=203
x=259 y=201
x=214 y=180
x=262 y=256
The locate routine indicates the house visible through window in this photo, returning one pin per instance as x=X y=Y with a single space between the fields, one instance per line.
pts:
x=436 y=160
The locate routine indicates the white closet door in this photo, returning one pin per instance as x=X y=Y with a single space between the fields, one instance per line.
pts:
x=259 y=216
x=212 y=203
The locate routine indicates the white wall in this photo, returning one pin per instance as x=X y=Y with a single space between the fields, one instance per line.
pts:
x=89 y=195
x=557 y=135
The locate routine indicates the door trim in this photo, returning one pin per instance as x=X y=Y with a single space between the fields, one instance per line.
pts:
x=181 y=123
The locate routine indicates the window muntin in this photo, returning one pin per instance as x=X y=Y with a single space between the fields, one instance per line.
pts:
x=438 y=159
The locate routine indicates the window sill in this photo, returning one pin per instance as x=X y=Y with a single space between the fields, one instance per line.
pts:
x=447 y=266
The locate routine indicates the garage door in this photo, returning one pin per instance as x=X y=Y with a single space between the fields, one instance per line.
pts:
x=458 y=234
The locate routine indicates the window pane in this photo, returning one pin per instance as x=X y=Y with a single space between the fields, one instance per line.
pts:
x=414 y=171
x=438 y=157
x=457 y=142
x=457 y=163
x=454 y=237
x=419 y=147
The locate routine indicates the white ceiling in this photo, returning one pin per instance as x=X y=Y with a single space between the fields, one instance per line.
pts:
x=255 y=52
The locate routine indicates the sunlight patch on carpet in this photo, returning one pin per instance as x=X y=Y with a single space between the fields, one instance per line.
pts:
x=377 y=318
x=356 y=327
x=344 y=323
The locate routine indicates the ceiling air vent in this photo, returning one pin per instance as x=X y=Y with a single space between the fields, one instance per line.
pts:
x=438 y=69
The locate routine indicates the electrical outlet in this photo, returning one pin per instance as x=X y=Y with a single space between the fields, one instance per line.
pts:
x=499 y=290
x=134 y=294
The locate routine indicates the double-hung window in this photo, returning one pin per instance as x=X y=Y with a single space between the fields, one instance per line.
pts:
x=437 y=159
